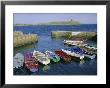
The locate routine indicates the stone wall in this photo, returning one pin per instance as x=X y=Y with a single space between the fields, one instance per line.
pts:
x=20 y=39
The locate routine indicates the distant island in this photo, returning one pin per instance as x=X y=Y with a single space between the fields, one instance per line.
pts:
x=70 y=22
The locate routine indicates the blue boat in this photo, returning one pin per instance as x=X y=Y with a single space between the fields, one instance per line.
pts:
x=78 y=52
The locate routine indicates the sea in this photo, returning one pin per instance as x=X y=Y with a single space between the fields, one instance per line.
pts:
x=46 y=42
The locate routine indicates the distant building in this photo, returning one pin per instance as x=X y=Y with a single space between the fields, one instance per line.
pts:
x=71 y=20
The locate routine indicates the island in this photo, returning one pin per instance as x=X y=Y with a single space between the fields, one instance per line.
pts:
x=66 y=22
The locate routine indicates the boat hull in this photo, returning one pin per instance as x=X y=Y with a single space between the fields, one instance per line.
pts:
x=31 y=63
x=41 y=57
x=53 y=57
x=63 y=55
x=18 y=60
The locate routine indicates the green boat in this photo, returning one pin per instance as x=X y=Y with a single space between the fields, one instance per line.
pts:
x=53 y=57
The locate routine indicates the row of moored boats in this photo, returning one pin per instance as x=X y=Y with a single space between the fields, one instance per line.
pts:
x=33 y=59
x=79 y=43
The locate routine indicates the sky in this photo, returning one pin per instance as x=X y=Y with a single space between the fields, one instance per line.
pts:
x=35 y=18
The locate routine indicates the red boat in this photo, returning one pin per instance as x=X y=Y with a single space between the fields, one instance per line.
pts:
x=30 y=62
x=63 y=55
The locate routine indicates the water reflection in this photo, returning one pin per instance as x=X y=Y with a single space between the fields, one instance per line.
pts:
x=92 y=62
x=25 y=48
x=58 y=68
x=81 y=62
x=46 y=68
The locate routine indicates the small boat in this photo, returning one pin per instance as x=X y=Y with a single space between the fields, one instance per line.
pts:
x=74 y=52
x=86 y=54
x=41 y=57
x=31 y=63
x=63 y=55
x=91 y=47
x=77 y=52
x=52 y=56
x=18 y=60
x=74 y=42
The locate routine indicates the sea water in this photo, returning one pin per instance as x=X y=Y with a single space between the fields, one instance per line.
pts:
x=45 y=42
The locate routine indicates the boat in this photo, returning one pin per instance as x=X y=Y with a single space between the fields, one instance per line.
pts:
x=41 y=57
x=75 y=52
x=52 y=56
x=18 y=60
x=63 y=55
x=78 y=52
x=74 y=42
x=31 y=63
x=91 y=47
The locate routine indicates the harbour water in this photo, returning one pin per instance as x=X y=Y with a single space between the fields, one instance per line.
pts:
x=45 y=42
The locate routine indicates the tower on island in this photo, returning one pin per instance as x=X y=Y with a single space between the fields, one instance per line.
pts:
x=71 y=20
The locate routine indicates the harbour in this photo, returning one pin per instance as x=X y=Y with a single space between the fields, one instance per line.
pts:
x=46 y=42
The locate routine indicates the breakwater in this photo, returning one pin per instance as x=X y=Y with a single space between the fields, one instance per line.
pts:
x=73 y=35
x=59 y=34
x=20 y=39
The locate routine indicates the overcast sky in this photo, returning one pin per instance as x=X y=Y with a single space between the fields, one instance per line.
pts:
x=34 y=18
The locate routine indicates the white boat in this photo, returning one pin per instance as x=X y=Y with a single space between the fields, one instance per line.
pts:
x=41 y=57
x=81 y=56
x=18 y=60
x=75 y=42
x=91 y=47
